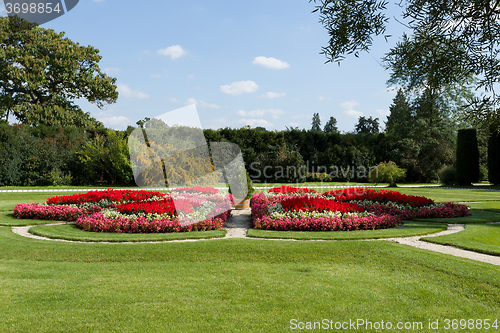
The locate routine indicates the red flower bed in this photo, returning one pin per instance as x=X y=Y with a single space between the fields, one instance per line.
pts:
x=290 y=190
x=347 y=223
x=314 y=204
x=381 y=196
x=100 y=223
x=158 y=207
x=387 y=209
x=197 y=189
x=36 y=211
x=109 y=194
x=116 y=212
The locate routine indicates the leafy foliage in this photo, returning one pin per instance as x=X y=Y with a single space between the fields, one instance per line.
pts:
x=367 y=125
x=467 y=165
x=107 y=155
x=447 y=175
x=331 y=126
x=316 y=123
x=451 y=42
x=387 y=173
x=42 y=73
x=399 y=122
x=494 y=157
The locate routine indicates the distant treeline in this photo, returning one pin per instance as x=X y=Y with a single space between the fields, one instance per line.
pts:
x=45 y=155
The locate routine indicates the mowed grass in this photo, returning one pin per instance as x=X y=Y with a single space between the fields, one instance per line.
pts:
x=9 y=200
x=483 y=238
x=7 y=219
x=489 y=206
x=409 y=228
x=451 y=195
x=238 y=285
x=71 y=232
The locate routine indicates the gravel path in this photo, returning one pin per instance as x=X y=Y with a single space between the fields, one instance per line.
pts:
x=238 y=224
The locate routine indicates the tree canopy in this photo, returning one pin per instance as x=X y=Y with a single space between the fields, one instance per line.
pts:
x=451 y=40
x=42 y=73
x=316 y=123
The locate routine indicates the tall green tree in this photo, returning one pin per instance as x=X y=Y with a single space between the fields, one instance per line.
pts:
x=42 y=73
x=467 y=165
x=399 y=122
x=450 y=40
x=316 y=123
x=107 y=155
x=331 y=126
x=367 y=125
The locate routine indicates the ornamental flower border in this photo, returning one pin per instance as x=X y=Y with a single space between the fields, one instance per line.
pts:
x=135 y=211
x=298 y=209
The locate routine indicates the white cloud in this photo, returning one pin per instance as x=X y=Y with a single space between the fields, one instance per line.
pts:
x=112 y=70
x=155 y=76
x=270 y=63
x=173 y=100
x=349 y=106
x=239 y=87
x=201 y=104
x=353 y=113
x=383 y=112
x=127 y=92
x=294 y=124
x=115 y=121
x=218 y=123
x=190 y=76
x=322 y=98
x=272 y=95
x=174 y=52
x=256 y=122
x=301 y=116
x=261 y=112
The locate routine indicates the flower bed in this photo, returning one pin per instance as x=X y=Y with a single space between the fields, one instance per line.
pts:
x=184 y=210
x=287 y=208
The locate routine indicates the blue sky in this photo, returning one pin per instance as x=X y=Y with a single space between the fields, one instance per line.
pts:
x=254 y=63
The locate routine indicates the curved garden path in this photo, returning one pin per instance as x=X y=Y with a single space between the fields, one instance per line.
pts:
x=240 y=221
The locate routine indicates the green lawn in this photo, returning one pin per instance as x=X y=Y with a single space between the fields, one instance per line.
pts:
x=9 y=200
x=238 y=285
x=410 y=228
x=71 y=232
x=6 y=219
x=452 y=195
x=476 y=216
x=483 y=238
x=490 y=206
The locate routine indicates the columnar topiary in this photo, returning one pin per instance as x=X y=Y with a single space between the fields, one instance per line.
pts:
x=494 y=157
x=467 y=164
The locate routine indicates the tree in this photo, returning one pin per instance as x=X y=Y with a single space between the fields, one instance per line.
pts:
x=494 y=157
x=316 y=123
x=467 y=165
x=400 y=120
x=387 y=173
x=42 y=73
x=367 y=125
x=107 y=155
x=331 y=126
x=451 y=40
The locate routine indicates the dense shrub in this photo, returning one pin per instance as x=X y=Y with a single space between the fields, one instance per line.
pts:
x=387 y=173
x=494 y=157
x=447 y=175
x=467 y=164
